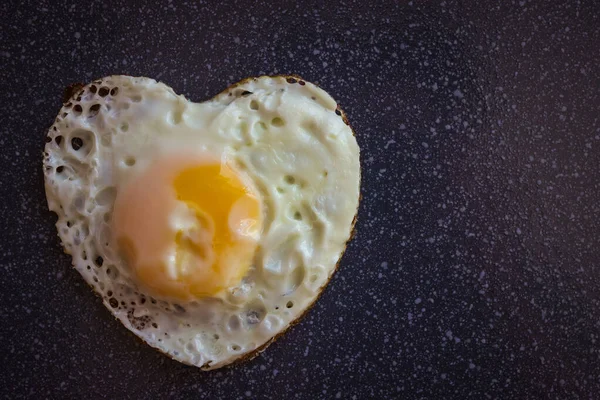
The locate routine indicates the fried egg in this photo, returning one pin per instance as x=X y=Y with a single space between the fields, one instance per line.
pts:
x=207 y=228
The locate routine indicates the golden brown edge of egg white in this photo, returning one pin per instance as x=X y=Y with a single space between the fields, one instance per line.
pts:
x=73 y=91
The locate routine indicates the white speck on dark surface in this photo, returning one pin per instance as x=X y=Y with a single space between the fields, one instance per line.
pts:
x=474 y=272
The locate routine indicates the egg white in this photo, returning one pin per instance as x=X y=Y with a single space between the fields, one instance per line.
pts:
x=286 y=135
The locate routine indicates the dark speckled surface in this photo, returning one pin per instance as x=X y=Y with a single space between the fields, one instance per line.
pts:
x=475 y=269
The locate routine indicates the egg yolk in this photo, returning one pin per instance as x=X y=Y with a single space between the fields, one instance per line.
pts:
x=188 y=231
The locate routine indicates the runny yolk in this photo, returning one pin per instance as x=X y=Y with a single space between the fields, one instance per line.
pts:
x=187 y=231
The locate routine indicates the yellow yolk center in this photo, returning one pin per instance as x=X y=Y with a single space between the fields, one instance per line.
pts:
x=188 y=231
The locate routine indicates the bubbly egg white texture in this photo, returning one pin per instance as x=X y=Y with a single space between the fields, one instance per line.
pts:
x=206 y=228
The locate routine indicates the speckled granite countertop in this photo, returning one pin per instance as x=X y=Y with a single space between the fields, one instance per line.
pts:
x=475 y=270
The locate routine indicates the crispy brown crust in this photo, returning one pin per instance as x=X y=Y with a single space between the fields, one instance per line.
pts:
x=74 y=90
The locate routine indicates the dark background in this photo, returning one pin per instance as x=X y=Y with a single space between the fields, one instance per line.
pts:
x=475 y=270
